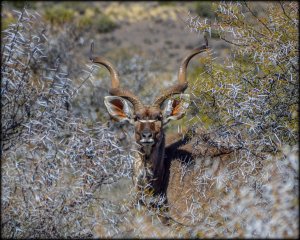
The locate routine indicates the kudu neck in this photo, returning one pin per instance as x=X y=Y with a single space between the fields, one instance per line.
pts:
x=157 y=165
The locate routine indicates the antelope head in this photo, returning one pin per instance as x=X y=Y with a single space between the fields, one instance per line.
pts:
x=148 y=120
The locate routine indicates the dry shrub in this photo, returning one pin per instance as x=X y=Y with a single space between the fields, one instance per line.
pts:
x=250 y=104
x=64 y=176
x=53 y=163
x=229 y=196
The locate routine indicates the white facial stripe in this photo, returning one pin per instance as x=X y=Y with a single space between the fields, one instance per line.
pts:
x=148 y=141
x=147 y=121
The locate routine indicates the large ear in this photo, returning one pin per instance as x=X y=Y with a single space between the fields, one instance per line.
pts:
x=118 y=108
x=176 y=108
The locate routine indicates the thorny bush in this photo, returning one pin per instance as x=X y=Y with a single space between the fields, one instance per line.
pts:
x=253 y=96
x=250 y=104
x=52 y=163
x=55 y=167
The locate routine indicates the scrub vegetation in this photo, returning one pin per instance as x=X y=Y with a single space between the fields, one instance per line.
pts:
x=66 y=171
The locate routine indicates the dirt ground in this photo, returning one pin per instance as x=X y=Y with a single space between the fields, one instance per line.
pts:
x=163 y=41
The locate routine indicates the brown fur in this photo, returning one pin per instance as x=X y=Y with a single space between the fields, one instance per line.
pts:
x=186 y=155
x=174 y=171
x=152 y=166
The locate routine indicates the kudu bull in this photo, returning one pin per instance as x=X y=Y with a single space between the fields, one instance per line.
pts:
x=150 y=167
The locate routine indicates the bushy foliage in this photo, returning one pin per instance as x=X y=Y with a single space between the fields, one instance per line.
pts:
x=204 y=9
x=58 y=15
x=105 y=24
x=65 y=175
x=253 y=96
x=79 y=15
x=249 y=104
x=21 y=4
x=242 y=105
x=52 y=162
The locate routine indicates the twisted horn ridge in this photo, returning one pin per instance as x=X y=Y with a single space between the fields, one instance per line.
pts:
x=182 y=81
x=137 y=104
x=178 y=88
x=185 y=62
x=115 y=89
x=115 y=82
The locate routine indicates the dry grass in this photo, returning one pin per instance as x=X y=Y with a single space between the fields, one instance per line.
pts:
x=136 y=12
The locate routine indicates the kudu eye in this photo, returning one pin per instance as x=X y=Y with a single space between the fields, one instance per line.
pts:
x=136 y=118
x=158 y=118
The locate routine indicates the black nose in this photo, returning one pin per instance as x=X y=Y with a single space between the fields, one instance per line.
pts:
x=146 y=134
